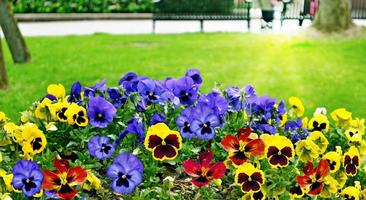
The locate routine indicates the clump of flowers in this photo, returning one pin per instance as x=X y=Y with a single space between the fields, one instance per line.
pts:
x=139 y=139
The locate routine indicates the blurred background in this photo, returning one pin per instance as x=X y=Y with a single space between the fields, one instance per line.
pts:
x=314 y=49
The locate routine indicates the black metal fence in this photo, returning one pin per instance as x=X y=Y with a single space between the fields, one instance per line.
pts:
x=201 y=10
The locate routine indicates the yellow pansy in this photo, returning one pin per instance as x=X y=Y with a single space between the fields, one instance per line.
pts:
x=92 y=182
x=56 y=90
x=279 y=150
x=51 y=126
x=305 y=121
x=353 y=135
x=7 y=180
x=58 y=111
x=351 y=192
x=3 y=118
x=163 y=142
x=319 y=123
x=320 y=140
x=296 y=192
x=42 y=111
x=296 y=106
x=351 y=161
x=250 y=179
x=76 y=115
x=359 y=124
x=342 y=117
x=341 y=178
x=24 y=118
x=13 y=130
x=283 y=119
x=33 y=140
x=307 y=150
x=5 y=196
x=334 y=159
x=330 y=187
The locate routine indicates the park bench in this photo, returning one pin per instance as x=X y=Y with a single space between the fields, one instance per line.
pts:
x=201 y=10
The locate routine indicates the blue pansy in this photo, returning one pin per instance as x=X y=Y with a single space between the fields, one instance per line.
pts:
x=184 y=121
x=157 y=118
x=185 y=90
x=100 y=147
x=100 y=112
x=205 y=122
x=134 y=126
x=195 y=75
x=116 y=97
x=27 y=177
x=75 y=93
x=149 y=90
x=125 y=173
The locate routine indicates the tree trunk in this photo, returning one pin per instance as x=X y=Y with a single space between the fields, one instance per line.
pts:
x=333 y=16
x=3 y=76
x=12 y=34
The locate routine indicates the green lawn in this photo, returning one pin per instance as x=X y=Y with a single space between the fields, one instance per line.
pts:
x=323 y=72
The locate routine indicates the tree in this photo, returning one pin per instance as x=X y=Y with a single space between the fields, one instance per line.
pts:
x=3 y=76
x=333 y=16
x=12 y=33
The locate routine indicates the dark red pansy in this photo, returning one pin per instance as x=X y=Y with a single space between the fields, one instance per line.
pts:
x=314 y=178
x=241 y=147
x=204 y=171
x=279 y=157
x=63 y=179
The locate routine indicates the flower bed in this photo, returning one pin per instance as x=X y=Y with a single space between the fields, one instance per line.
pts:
x=150 y=139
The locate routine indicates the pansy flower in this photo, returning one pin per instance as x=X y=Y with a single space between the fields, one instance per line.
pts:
x=204 y=171
x=195 y=75
x=351 y=161
x=58 y=111
x=76 y=115
x=330 y=187
x=33 y=140
x=319 y=123
x=241 y=147
x=100 y=147
x=249 y=178
x=63 y=179
x=279 y=150
x=116 y=97
x=150 y=90
x=27 y=177
x=205 y=122
x=351 y=193
x=163 y=142
x=134 y=126
x=100 y=112
x=297 y=106
x=238 y=98
x=320 y=140
x=75 y=93
x=186 y=90
x=184 y=121
x=307 y=150
x=125 y=173
x=353 y=135
x=359 y=124
x=313 y=180
x=57 y=90
x=342 y=117
x=157 y=118
x=296 y=191
x=41 y=111
x=334 y=159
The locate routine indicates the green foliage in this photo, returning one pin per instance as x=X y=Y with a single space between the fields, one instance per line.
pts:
x=82 y=6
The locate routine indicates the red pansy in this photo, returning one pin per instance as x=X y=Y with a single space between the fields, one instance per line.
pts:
x=314 y=177
x=204 y=171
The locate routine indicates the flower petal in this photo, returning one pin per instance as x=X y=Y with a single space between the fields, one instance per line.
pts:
x=230 y=143
x=192 y=168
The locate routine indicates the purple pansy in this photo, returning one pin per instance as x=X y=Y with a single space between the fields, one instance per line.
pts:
x=184 y=121
x=116 y=97
x=134 y=126
x=296 y=130
x=125 y=173
x=157 y=118
x=205 y=122
x=27 y=177
x=98 y=88
x=75 y=93
x=100 y=112
x=150 y=90
x=129 y=82
x=185 y=89
x=238 y=98
x=215 y=101
x=100 y=147
x=195 y=75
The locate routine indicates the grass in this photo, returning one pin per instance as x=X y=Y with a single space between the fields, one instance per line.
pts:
x=323 y=72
